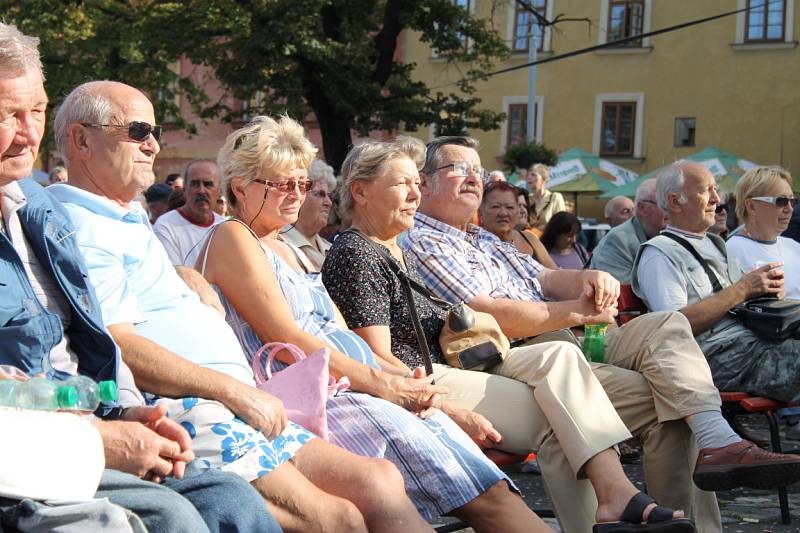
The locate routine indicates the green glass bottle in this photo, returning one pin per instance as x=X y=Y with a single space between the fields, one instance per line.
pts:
x=594 y=342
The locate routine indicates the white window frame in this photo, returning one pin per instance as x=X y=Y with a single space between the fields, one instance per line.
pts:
x=538 y=127
x=788 y=30
x=435 y=53
x=602 y=34
x=547 y=39
x=638 y=134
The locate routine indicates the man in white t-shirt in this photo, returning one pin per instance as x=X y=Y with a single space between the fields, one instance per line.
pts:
x=182 y=231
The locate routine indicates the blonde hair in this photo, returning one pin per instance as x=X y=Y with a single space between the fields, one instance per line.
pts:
x=265 y=143
x=757 y=182
x=370 y=160
x=540 y=169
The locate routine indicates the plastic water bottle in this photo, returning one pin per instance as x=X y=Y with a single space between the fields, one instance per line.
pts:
x=90 y=394
x=41 y=394
x=78 y=393
x=594 y=342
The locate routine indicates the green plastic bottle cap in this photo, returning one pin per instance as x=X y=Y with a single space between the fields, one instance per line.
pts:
x=67 y=397
x=108 y=391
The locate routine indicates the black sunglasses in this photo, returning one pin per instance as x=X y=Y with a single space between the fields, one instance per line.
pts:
x=137 y=131
x=720 y=208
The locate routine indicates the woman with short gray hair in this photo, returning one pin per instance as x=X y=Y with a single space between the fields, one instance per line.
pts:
x=313 y=215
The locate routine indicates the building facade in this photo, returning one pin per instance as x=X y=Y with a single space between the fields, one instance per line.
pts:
x=731 y=83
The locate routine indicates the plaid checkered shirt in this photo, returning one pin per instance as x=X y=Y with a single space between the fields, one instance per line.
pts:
x=459 y=265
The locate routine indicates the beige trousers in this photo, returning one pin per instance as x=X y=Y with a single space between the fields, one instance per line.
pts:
x=542 y=399
x=545 y=398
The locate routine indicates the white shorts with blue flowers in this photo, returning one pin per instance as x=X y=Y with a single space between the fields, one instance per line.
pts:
x=221 y=440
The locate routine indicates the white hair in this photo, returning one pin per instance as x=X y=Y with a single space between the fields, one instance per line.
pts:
x=608 y=210
x=670 y=180
x=82 y=105
x=645 y=191
x=320 y=171
x=18 y=52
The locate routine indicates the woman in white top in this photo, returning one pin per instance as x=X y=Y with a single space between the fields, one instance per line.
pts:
x=544 y=203
x=313 y=215
x=764 y=201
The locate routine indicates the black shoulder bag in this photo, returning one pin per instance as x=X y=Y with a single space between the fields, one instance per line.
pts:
x=768 y=317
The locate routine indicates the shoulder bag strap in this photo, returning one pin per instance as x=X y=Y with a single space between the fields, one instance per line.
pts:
x=712 y=277
x=406 y=282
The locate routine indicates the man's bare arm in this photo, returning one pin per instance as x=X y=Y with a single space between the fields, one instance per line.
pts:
x=765 y=280
x=526 y=319
x=162 y=372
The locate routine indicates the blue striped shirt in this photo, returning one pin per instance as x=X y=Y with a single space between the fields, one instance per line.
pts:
x=459 y=265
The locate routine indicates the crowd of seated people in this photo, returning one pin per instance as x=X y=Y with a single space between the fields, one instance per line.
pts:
x=194 y=445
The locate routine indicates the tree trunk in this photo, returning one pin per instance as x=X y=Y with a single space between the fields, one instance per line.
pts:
x=336 y=137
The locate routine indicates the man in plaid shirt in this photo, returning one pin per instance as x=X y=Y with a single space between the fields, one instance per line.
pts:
x=462 y=262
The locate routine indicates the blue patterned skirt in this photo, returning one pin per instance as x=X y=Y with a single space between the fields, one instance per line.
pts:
x=220 y=440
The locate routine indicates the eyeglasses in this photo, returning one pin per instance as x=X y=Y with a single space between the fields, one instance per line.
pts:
x=137 y=131
x=463 y=169
x=777 y=201
x=720 y=208
x=321 y=194
x=288 y=185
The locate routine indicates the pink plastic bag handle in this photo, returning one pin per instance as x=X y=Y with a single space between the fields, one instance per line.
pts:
x=274 y=348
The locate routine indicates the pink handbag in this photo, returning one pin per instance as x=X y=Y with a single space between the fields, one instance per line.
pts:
x=303 y=387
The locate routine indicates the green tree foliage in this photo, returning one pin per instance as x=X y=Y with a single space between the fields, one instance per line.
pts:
x=337 y=58
x=524 y=154
x=101 y=39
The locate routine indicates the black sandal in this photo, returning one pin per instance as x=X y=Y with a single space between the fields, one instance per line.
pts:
x=658 y=521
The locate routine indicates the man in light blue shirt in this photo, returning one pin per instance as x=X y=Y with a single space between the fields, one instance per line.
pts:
x=177 y=347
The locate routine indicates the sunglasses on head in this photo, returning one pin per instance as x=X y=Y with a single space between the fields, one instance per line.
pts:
x=288 y=185
x=777 y=201
x=137 y=131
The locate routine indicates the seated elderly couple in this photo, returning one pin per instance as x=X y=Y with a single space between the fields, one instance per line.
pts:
x=176 y=347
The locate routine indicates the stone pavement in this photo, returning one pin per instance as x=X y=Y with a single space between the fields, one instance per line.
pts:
x=743 y=510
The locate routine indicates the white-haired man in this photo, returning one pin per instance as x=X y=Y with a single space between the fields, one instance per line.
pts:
x=617 y=250
x=618 y=210
x=657 y=377
x=182 y=231
x=668 y=276
x=50 y=323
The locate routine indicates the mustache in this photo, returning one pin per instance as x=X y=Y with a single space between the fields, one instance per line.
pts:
x=202 y=197
x=468 y=187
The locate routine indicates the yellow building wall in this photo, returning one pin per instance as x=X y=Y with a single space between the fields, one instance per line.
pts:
x=745 y=101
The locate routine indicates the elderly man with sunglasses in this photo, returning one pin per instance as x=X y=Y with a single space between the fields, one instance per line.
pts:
x=668 y=276
x=182 y=231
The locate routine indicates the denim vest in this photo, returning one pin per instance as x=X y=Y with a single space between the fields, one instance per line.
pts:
x=27 y=330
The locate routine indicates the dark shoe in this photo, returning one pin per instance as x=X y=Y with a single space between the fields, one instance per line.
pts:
x=629 y=452
x=658 y=521
x=744 y=465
